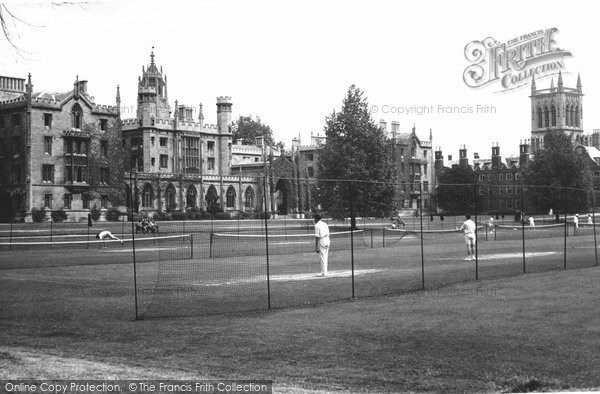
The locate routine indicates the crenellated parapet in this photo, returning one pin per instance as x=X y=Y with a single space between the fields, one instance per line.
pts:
x=14 y=103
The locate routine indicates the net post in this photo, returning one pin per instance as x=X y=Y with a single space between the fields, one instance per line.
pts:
x=133 y=243
x=594 y=226
x=476 y=243
x=51 y=231
x=383 y=231
x=267 y=241
x=191 y=246
x=12 y=219
x=371 y=238
x=352 y=225
x=210 y=245
x=566 y=230
x=495 y=232
x=87 y=245
x=422 y=256
x=523 y=231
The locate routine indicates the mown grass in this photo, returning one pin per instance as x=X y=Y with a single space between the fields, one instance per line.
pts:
x=537 y=331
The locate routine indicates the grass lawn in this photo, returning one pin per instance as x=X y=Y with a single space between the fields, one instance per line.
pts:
x=535 y=331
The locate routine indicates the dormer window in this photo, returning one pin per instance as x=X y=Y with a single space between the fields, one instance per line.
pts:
x=76 y=116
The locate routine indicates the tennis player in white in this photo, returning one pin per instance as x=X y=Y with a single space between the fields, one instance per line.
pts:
x=468 y=227
x=104 y=235
x=322 y=243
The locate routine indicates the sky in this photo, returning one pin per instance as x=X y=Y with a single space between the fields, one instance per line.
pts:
x=292 y=62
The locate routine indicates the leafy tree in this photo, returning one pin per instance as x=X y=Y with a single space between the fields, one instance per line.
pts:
x=455 y=189
x=246 y=129
x=556 y=173
x=355 y=150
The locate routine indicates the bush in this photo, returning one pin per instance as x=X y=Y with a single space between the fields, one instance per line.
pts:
x=95 y=212
x=222 y=216
x=58 y=215
x=176 y=215
x=38 y=214
x=113 y=215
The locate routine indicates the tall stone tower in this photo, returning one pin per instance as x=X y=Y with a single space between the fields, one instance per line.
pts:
x=153 y=102
x=556 y=108
x=223 y=122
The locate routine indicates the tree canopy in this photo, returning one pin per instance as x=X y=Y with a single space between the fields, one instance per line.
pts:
x=355 y=150
x=246 y=129
x=455 y=190
x=556 y=173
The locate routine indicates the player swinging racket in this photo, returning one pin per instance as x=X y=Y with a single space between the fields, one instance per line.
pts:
x=104 y=235
x=468 y=227
x=322 y=243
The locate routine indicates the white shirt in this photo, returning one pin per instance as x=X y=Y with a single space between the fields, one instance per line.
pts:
x=576 y=220
x=531 y=221
x=322 y=233
x=104 y=234
x=468 y=227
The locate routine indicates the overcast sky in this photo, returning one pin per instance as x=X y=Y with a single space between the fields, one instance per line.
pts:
x=291 y=62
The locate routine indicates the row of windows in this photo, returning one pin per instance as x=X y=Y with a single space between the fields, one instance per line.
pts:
x=68 y=199
x=547 y=117
x=16 y=120
x=75 y=173
x=191 y=163
x=501 y=190
x=501 y=177
x=75 y=146
x=414 y=186
x=192 y=194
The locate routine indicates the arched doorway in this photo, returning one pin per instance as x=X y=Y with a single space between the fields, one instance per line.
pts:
x=212 y=200
x=230 y=197
x=249 y=197
x=281 y=197
x=191 y=197
x=148 y=196
x=171 y=198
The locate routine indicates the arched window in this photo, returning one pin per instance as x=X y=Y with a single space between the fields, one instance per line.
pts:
x=577 y=116
x=539 y=118
x=148 y=196
x=212 y=200
x=171 y=198
x=568 y=115
x=546 y=117
x=230 y=197
x=553 y=115
x=190 y=197
x=76 y=116
x=249 y=197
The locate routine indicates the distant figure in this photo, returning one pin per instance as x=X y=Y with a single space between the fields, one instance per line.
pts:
x=104 y=235
x=394 y=226
x=322 y=243
x=590 y=222
x=575 y=223
x=491 y=224
x=468 y=227
x=531 y=223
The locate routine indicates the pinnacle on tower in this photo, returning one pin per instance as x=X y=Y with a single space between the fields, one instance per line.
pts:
x=152 y=56
x=533 y=88
x=560 y=81
x=579 y=83
x=552 y=85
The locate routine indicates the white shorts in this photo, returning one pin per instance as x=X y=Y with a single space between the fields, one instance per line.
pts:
x=470 y=239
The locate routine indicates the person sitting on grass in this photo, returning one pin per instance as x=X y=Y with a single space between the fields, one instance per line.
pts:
x=104 y=235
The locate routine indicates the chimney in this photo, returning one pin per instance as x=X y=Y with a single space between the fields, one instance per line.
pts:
x=523 y=153
x=496 y=159
x=463 y=160
x=383 y=125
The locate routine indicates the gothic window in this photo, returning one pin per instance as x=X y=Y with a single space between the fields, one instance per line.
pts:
x=230 y=197
x=249 y=197
x=212 y=200
x=190 y=197
x=539 y=118
x=147 y=196
x=576 y=123
x=546 y=117
x=553 y=115
x=171 y=198
x=76 y=116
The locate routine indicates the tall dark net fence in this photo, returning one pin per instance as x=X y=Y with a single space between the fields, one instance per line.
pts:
x=266 y=258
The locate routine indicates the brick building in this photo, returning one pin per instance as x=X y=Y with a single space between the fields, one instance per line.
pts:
x=57 y=151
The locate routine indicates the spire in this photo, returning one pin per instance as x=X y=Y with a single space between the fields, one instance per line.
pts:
x=29 y=86
x=118 y=100
x=414 y=129
x=200 y=114
x=533 y=88
x=152 y=56
x=579 y=83
x=552 y=85
x=560 y=81
x=430 y=135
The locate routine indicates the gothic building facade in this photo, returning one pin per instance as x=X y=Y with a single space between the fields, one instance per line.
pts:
x=57 y=151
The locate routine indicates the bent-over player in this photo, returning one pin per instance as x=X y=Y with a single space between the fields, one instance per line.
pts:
x=104 y=235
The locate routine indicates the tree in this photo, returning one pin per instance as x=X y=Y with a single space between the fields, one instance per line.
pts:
x=455 y=190
x=355 y=163
x=557 y=173
x=246 y=129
